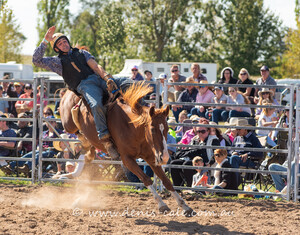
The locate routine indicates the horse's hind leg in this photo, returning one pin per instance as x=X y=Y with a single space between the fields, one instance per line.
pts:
x=167 y=183
x=131 y=164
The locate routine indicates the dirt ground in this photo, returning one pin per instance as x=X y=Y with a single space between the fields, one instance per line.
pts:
x=53 y=210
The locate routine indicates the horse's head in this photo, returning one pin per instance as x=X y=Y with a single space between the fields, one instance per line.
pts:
x=157 y=134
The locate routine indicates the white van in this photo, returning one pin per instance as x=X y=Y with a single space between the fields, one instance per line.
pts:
x=16 y=71
x=209 y=70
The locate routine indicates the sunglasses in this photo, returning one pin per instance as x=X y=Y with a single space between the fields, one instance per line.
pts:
x=134 y=70
x=175 y=70
x=28 y=88
x=265 y=93
x=243 y=73
x=217 y=155
x=202 y=131
x=201 y=86
x=47 y=113
x=231 y=90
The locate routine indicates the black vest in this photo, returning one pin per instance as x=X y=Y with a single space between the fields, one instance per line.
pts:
x=74 y=68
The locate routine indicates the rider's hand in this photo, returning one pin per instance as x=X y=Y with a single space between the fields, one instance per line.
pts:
x=49 y=34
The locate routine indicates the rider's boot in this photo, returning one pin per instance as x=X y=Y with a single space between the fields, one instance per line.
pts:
x=110 y=147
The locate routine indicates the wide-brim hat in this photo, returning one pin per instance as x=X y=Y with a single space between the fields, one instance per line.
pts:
x=265 y=90
x=237 y=122
x=56 y=144
x=190 y=80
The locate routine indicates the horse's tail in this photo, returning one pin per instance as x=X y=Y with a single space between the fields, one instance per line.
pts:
x=134 y=94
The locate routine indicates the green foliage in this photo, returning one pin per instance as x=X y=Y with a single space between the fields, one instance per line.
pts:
x=52 y=12
x=11 y=38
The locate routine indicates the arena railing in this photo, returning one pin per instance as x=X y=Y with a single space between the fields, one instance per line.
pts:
x=165 y=98
x=33 y=119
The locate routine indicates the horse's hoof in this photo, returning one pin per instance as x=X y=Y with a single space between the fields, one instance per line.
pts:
x=164 y=209
x=189 y=212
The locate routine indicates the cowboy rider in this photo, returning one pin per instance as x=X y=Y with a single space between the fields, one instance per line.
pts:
x=82 y=74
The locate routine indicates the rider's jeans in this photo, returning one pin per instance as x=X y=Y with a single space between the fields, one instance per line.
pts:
x=92 y=90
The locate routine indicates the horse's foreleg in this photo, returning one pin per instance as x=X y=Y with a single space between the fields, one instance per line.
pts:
x=167 y=183
x=131 y=164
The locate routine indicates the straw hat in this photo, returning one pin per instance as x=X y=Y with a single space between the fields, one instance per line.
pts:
x=190 y=80
x=237 y=122
x=266 y=90
x=56 y=144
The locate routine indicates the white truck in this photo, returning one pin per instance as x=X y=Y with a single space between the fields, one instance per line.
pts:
x=16 y=71
x=208 y=69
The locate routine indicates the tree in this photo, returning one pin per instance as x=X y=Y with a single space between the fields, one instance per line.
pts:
x=102 y=29
x=53 y=12
x=290 y=60
x=11 y=38
x=242 y=34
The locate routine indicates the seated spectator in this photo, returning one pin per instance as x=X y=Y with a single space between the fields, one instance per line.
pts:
x=187 y=95
x=149 y=78
x=62 y=92
x=201 y=177
x=236 y=98
x=223 y=179
x=189 y=134
x=5 y=145
x=14 y=90
x=197 y=75
x=218 y=133
x=185 y=156
x=227 y=78
x=48 y=151
x=244 y=78
x=22 y=105
x=245 y=139
x=205 y=95
x=170 y=97
x=183 y=115
x=268 y=118
x=171 y=130
x=265 y=95
x=136 y=76
x=3 y=103
x=24 y=131
x=229 y=136
x=214 y=113
x=176 y=77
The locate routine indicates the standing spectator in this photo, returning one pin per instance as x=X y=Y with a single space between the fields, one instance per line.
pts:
x=14 y=90
x=38 y=101
x=3 y=103
x=136 y=76
x=244 y=78
x=171 y=97
x=148 y=77
x=265 y=79
x=5 y=144
x=176 y=77
x=22 y=105
x=5 y=85
x=187 y=95
x=62 y=92
x=215 y=112
x=197 y=75
x=227 y=78
x=236 y=98
x=204 y=95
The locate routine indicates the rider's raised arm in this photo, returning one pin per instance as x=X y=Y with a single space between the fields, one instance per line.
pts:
x=97 y=68
x=48 y=63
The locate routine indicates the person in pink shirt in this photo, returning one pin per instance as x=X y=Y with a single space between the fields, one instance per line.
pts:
x=22 y=105
x=205 y=95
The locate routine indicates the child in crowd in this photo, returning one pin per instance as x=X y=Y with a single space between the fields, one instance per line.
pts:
x=200 y=178
x=179 y=129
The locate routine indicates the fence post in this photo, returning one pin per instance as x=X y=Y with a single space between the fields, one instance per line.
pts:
x=34 y=129
x=296 y=159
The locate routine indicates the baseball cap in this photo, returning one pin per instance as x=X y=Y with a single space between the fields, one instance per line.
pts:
x=17 y=84
x=147 y=71
x=28 y=85
x=264 y=67
x=162 y=76
x=218 y=87
x=135 y=67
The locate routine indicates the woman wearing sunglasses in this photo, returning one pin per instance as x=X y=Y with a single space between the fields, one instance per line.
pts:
x=244 y=79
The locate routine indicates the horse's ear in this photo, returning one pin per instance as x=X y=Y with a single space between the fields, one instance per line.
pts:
x=152 y=111
x=166 y=111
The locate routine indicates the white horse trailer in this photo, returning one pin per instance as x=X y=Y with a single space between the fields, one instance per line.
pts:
x=16 y=71
x=208 y=69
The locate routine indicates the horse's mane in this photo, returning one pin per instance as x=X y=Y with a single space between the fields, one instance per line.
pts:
x=132 y=97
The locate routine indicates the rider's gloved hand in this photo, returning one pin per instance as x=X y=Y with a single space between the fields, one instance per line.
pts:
x=112 y=86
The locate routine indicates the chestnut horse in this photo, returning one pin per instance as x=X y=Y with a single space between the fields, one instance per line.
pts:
x=138 y=132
